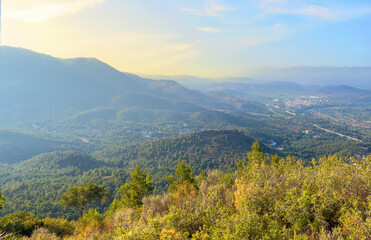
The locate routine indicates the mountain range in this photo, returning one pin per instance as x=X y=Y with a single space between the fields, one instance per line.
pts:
x=358 y=77
x=86 y=105
x=30 y=81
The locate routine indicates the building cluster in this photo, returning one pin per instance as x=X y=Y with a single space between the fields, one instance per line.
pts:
x=305 y=101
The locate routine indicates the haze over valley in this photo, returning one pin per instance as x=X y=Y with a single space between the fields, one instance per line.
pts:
x=185 y=119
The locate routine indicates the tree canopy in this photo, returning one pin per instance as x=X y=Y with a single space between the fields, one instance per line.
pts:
x=183 y=174
x=140 y=186
x=78 y=198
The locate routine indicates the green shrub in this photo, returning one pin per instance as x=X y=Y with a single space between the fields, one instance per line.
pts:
x=21 y=222
x=61 y=227
x=93 y=218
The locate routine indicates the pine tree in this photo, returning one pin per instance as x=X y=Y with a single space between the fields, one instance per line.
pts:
x=184 y=174
x=140 y=186
x=79 y=198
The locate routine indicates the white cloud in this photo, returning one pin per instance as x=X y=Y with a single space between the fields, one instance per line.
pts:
x=309 y=10
x=212 y=29
x=43 y=10
x=331 y=13
x=264 y=35
x=215 y=8
x=212 y=8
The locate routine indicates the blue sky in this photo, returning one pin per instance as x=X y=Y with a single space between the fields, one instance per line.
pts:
x=208 y=38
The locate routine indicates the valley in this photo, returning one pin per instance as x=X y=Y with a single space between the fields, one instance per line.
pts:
x=185 y=120
x=90 y=131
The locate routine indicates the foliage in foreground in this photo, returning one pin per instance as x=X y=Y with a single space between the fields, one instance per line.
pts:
x=267 y=198
x=79 y=198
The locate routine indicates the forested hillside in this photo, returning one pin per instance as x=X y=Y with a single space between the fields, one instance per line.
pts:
x=266 y=197
x=205 y=150
x=35 y=185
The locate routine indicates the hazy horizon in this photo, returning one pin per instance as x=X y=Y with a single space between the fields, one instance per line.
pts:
x=207 y=39
x=358 y=76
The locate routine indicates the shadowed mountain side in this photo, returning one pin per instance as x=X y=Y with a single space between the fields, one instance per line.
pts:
x=30 y=81
x=62 y=160
x=16 y=146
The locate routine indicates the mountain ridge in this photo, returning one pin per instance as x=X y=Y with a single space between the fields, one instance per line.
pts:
x=31 y=81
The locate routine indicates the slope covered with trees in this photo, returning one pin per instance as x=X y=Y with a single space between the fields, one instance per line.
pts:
x=36 y=185
x=267 y=197
x=205 y=150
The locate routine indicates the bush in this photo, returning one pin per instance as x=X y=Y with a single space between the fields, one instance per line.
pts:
x=124 y=218
x=21 y=222
x=156 y=206
x=43 y=234
x=115 y=206
x=93 y=219
x=61 y=227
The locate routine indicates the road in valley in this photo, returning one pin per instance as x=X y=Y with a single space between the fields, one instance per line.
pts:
x=339 y=134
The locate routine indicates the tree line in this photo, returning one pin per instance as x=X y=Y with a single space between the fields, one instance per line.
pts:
x=267 y=197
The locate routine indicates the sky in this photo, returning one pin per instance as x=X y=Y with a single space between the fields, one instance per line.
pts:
x=205 y=38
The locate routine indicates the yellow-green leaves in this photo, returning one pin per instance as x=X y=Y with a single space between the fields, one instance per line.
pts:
x=133 y=192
